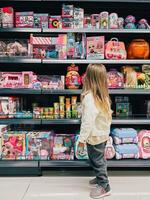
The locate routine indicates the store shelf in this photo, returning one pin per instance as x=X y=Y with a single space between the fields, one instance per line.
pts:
x=20 y=121
x=127 y=163
x=80 y=61
x=18 y=163
x=61 y=121
x=129 y=91
x=131 y=121
x=18 y=60
x=83 y=30
x=19 y=91
x=21 y=30
x=65 y=92
x=117 y=1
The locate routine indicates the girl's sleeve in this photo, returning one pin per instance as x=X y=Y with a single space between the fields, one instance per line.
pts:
x=88 y=118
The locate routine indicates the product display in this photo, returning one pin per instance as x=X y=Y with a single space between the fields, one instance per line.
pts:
x=144 y=144
x=115 y=79
x=7 y=17
x=40 y=20
x=109 y=149
x=81 y=154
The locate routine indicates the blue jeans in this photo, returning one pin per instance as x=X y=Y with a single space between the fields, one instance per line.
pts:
x=98 y=163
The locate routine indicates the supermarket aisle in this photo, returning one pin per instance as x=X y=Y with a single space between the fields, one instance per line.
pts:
x=71 y=188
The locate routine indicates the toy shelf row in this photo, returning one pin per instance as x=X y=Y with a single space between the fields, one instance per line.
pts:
x=39 y=30
x=68 y=91
x=69 y=61
x=128 y=121
x=130 y=163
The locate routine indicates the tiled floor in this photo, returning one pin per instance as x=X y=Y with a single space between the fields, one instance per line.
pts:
x=72 y=188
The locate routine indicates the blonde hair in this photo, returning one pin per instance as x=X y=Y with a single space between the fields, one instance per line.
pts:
x=95 y=81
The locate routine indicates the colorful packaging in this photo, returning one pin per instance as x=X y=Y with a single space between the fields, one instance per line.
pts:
x=95 y=19
x=37 y=112
x=62 y=110
x=87 y=22
x=104 y=20
x=38 y=145
x=24 y=19
x=109 y=149
x=61 y=46
x=41 y=20
x=113 y=21
x=67 y=11
x=13 y=146
x=67 y=23
x=115 y=50
x=78 y=18
x=80 y=46
x=81 y=154
x=115 y=79
x=62 y=146
x=7 y=17
x=55 y=22
x=144 y=144
x=56 y=110
x=95 y=48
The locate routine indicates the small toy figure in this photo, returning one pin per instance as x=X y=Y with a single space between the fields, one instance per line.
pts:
x=120 y=23
x=95 y=19
x=130 y=22
x=143 y=24
x=104 y=20
x=113 y=21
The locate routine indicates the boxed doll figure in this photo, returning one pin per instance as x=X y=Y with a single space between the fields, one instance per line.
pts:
x=95 y=48
x=78 y=18
x=13 y=146
x=67 y=11
x=7 y=17
x=55 y=22
x=24 y=19
x=41 y=20
x=61 y=46
x=67 y=23
x=62 y=147
x=38 y=145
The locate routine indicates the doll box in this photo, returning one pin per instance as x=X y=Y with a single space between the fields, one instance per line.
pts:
x=55 y=22
x=95 y=48
x=24 y=19
x=41 y=20
x=67 y=11
x=13 y=146
x=144 y=144
x=7 y=17
x=81 y=154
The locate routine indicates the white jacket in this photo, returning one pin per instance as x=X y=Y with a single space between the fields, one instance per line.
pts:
x=95 y=126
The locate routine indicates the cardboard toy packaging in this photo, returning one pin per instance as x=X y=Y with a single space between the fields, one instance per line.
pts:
x=95 y=48
x=24 y=19
x=41 y=20
x=7 y=17
x=55 y=21
x=13 y=146
x=67 y=11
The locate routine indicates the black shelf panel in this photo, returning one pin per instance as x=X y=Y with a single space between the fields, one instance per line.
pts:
x=20 y=121
x=19 y=91
x=115 y=1
x=19 y=60
x=67 y=91
x=131 y=121
x=126 y=163
x=61 y=121
x=21 y=30
x=18 y=163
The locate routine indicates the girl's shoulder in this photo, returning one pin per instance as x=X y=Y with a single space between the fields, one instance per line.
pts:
x=88 y=96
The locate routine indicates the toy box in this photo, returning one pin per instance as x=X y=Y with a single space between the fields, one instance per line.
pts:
x=124 y=135
x=78 y=18
x=41 y=20
x=7 y=17
x=123 y=107
x=104 y=20
x=113 y=21
x=52 y=82
x=81 y=154
x=144 y=144
x=13 y=146
x=3 y=129
x=24 y=19
x=67 y=23
x=115 y=79
x=109 y=149
x=62 y=147
x=8 y=106
x=95 y=18
x=67 y=11
x=95 y=48
x=61 y=46
x=87 y=22
x=124 y=151
x=38 y=145
x=55 y=22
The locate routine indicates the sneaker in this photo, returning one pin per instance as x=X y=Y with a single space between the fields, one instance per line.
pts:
x=99 y=192
x=93 y=182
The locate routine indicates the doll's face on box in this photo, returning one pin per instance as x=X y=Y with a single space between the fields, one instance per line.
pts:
x=91 y=47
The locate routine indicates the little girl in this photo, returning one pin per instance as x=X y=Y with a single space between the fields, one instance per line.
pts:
x=95 y=126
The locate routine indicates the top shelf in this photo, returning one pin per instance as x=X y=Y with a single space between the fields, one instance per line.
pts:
x=39 y=30
x=115 y=1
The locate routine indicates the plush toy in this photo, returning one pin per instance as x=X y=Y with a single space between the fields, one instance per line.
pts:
x=143 y=24
x=16 y=49
x=109 y=149
x=130 y=22
x=144 y=144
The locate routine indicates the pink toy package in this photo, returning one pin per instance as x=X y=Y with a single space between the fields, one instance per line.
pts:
x=95 y=47
x=13 y=146
x=55 y=22
x=7 y=17
x=115 y=79
x=144 y=144
x=95 y=18
x=61 y=46
x=24 y=19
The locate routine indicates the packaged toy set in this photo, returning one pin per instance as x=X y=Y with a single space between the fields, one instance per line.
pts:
x=80 y=153
x=40 y=20
x=144 y=144
x=115 y=79
x=24 y=19
x=38 y=145
x=62 y=147
x=7 y=17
